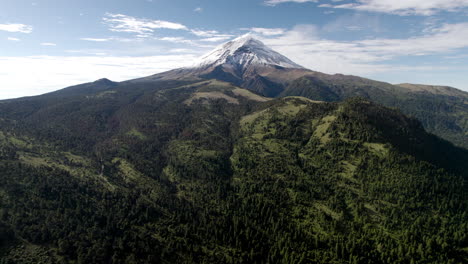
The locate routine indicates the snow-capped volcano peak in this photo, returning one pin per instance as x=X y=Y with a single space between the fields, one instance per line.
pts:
x=243 y=52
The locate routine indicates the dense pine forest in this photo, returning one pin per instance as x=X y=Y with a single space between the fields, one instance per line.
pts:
x=206 y=172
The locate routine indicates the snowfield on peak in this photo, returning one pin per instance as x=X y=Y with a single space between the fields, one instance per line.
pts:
x=243 y=52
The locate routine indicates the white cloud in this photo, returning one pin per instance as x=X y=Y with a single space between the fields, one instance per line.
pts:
x=87 y=52
x=49 y=73
x=267 y=31
x=21 y=28
x=303 y=45
x=204 y=33
x=216 y=38
x=138 y=39
x=48 y=44
x=181 y=50
x=142 y=27
x=400 y=7
x=443 y=39
x=354 y=22
x=176 y=40
x=96 y=39
x=210 y=35
x=277 y=2
x=13 y=39
x=406 y=7
x=198 y=10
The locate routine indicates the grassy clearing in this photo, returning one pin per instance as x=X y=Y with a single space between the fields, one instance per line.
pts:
x=262 y=128
x=249 y=95
x=249 y=119
x=135 y=133
x=321 y=130
x=217 y=85
x=8 y=139
x=274 y=146
x=327 y=210
x=291 y=109
x=25 y=252
x=211 y=95
x=77 y=159
x=82 y=169
x=170 y=174
x=377 y=148
x=304 y=99
x=208 y=86
x=186 y=149
x=193 y=85
x=36 y=161
x=127 y=170
x=348 y=170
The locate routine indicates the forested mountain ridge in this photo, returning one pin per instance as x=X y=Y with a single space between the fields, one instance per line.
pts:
x=202 y=171
x=442 y=110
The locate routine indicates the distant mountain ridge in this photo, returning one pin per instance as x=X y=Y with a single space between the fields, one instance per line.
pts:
x=434 y=89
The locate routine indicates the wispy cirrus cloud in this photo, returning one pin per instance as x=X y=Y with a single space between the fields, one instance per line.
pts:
x=277 y=2
x=304 y=45
x=107 y=39
x=20 y=28
x=141 y=26
x=48 y=44
x=210 y=35
x=13 y=39
x=216 y=38
x=96 y=39
x=399 y=7
x=144 y=28
x=204 y=33
x=406 y=7
x=356 y=21
x=266 y=31
x=180 y=40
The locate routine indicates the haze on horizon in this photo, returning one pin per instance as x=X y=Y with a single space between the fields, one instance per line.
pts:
x=49 y=44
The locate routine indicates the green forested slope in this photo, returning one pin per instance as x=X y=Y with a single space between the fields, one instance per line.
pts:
x=208 y=173
x=442 y=110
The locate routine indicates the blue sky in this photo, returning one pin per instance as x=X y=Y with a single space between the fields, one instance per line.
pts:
x=50 y=44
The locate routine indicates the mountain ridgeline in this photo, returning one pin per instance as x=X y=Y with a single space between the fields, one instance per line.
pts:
x=201 y=165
